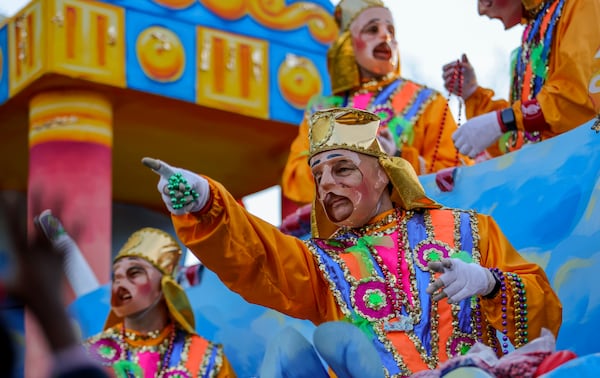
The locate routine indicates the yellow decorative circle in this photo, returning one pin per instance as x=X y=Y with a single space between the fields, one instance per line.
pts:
x=161 y=54
x=175 y=4
x=299 y=80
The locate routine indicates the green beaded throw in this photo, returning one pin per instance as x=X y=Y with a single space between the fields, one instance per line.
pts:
x=178 y=185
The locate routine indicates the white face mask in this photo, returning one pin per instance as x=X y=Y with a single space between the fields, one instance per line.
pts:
x=374 y=42
x=350 y=186
x=135 y=286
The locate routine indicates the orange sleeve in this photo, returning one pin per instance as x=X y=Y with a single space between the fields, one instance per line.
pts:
x=255 y=259
x=482 y=101
x=565 y=96
x=297 y=182
x=433 y=137
x=544 y=309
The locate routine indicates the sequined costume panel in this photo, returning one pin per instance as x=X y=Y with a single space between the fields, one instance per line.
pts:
x=162 y=355
x=315 y=280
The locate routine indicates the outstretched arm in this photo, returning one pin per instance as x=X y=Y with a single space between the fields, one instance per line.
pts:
x=36 y=282
x=251 y=256
x=79 y=273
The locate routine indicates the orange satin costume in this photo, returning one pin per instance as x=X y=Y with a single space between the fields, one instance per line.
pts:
x=425 y=141
x=295 y=277
x=417 y=117
x=175 y=350
x=573 y=60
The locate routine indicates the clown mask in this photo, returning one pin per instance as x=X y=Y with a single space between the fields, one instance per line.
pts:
x=350 y=186
x=135 y=286
x=374 y=42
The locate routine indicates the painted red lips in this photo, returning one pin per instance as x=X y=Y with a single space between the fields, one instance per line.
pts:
x=382 y=51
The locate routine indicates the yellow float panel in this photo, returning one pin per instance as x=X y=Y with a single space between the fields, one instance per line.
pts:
x=26 y=42
x=88 y=41
x=233 y=73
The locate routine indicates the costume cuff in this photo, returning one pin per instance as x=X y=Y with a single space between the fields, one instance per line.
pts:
x=209 y=201
x=533 y=117
x=496 y=289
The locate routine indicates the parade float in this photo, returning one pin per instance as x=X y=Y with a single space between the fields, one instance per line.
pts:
x=87 y=88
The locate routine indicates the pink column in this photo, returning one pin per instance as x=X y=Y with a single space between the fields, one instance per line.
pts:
x=70 y=170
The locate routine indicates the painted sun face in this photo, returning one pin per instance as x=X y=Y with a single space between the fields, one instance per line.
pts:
x=507 y=11
x=135 y=286
x=374 y=42
x=349 y=186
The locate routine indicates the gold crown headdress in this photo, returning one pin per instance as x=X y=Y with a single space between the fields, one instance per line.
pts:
x=162 y=251
x=341 y=58
x=356 y=130
x=346 y=128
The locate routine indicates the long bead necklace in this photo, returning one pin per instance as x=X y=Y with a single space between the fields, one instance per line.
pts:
x=457 y=79
x=596 y=125
x=166 y=358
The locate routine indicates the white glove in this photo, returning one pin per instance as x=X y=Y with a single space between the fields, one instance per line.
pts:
x=477 y=134
x=459 y=280
x=387 y=142
x=469 y=80
x=181 y=190
x=79 y=273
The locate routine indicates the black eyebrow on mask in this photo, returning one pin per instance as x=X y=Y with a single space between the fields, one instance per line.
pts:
x=330 y=156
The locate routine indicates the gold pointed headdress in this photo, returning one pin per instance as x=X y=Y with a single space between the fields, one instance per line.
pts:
x=347 y=10
x=155 y=246
x=346 y=128
x=356 y=130
x=162 y=251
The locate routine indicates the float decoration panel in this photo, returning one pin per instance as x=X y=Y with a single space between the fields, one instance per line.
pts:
x=257 y=58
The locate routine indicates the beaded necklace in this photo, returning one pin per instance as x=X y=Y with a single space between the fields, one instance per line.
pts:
x=394 y=287
x=531 y=66
x=166 y=357
x=457 y=79
x=596 y=125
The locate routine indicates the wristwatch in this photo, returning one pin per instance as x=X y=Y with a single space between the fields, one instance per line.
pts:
x=507 y=116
